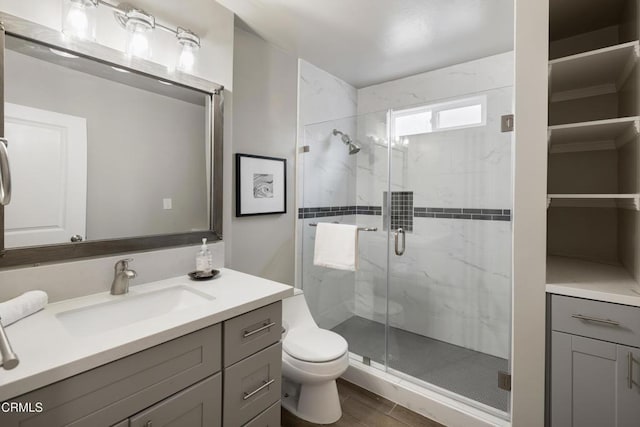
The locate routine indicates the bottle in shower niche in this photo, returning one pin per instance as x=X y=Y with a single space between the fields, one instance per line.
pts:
x=204 y=259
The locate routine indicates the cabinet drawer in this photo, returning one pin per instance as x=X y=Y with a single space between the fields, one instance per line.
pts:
x=269 y=418
x=197 y=406
x=596 y=319
x=252 y=385
x=110 y=393
x=251 y=332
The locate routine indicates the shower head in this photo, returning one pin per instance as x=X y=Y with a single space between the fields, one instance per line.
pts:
x=346 y=139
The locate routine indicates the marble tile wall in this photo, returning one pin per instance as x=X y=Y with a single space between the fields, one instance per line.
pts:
x=475 y=76
x=326 y=177
x=454 y=281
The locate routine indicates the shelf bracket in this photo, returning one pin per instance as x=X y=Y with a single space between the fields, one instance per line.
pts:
x=636 y=126
x=548 y=202
x=636 y=51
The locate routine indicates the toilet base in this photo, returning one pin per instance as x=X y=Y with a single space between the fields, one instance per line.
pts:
x=317 y=403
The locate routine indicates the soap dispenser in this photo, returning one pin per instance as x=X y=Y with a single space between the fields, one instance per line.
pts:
x=204 y=259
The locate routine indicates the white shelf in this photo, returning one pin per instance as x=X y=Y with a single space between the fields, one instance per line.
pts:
x=625 y=201
x=592 y=280
x=598 y=71
x=590 y=136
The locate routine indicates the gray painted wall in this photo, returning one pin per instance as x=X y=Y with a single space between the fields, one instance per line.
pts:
x=264 y=123
x=142 y=147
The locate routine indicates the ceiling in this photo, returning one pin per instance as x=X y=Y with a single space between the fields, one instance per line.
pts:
x=365 y=42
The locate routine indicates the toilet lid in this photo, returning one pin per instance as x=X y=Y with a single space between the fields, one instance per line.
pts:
x=314 y=345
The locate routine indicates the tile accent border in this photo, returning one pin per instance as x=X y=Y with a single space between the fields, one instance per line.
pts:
x=418 y=212
x=338 y=211
x=464 y=213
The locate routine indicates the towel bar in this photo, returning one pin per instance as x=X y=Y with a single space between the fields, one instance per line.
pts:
x=315 y=224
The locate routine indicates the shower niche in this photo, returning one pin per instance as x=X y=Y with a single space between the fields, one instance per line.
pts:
x=593 y=181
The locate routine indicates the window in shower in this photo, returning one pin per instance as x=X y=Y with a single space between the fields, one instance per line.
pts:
x=458 y=114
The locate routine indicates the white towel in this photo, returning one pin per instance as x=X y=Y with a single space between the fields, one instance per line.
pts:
x=336 y=246
x=28 y=303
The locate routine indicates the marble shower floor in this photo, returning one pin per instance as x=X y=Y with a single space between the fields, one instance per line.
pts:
x=467 y=372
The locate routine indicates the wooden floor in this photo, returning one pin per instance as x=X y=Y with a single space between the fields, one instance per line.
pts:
x=362 y=408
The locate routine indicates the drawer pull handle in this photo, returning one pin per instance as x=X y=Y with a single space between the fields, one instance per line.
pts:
x=247 y=334
x=595 y=319
x=631 y=360
x=148 y=424
x=264 y=385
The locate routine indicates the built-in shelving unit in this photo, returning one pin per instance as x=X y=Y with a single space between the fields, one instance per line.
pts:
x=593 y=209
x=593 y=141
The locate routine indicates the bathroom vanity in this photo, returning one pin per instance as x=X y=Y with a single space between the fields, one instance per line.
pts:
x=210 y=361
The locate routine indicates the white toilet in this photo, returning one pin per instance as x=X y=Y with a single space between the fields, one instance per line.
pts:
x=312 y=359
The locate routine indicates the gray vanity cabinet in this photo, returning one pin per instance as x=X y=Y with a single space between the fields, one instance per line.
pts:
x=105 y=395
x=594 y=382
x=179 y=383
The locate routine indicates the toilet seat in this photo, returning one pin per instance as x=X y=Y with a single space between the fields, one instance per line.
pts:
x=314 y=345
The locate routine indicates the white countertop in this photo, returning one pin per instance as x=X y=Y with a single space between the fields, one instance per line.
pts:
x=584 y=279
x=48 y=352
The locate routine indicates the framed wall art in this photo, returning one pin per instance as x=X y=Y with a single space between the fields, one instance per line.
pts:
x=261 y=187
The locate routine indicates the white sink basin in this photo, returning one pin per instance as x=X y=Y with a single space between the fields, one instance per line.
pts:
x=130 y=308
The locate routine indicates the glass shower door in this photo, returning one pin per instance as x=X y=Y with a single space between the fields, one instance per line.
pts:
x=430 y=301
x=448 y=209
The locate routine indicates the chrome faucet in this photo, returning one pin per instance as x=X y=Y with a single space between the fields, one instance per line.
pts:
x=120 y=283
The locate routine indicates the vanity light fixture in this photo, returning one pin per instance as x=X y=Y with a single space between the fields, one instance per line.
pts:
x=190 y=43
x=79 y=20
x=138 y=24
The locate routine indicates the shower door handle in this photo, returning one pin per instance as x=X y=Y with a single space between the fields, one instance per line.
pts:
x=397 y=234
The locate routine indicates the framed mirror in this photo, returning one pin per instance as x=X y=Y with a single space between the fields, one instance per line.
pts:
x=108 y=154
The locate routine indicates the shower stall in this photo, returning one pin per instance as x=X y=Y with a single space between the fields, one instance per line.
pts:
x=430 y=185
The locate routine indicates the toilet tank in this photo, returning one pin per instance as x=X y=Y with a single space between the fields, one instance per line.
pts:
x=295 y=312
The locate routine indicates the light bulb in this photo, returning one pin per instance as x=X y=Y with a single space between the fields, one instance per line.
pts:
x=187 y=59
x=138 y=24
x=138 y=44
x=189 y=43
x=79 y=19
